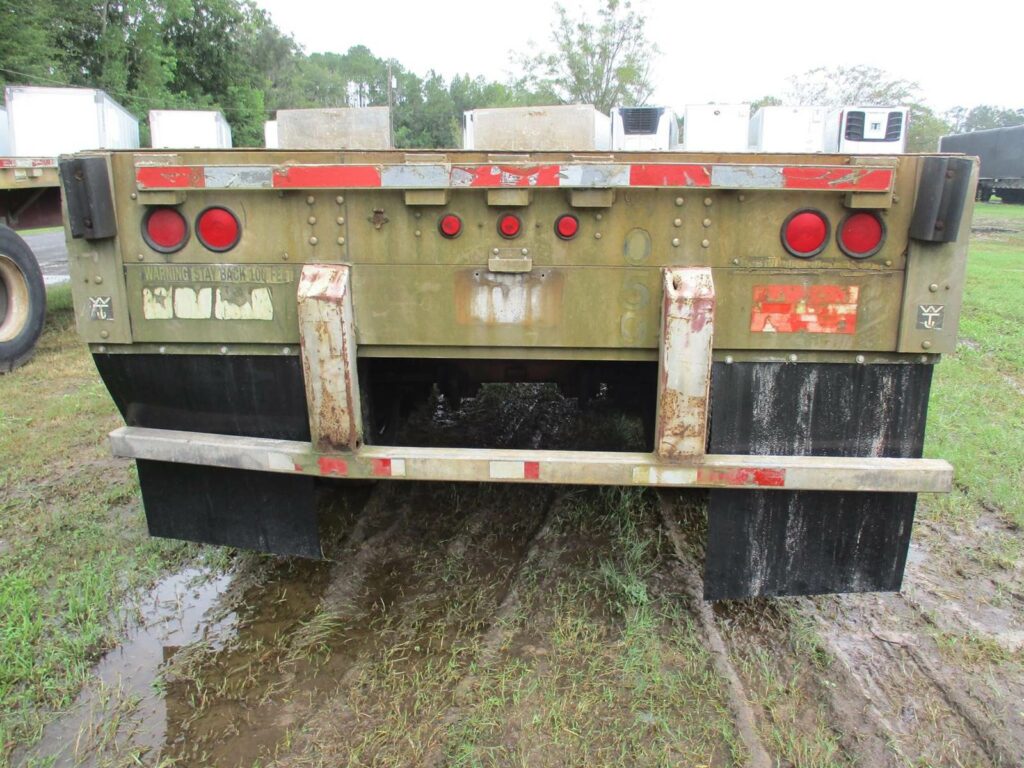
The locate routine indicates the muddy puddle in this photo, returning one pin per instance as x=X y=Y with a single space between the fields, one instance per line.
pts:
x=124 y=698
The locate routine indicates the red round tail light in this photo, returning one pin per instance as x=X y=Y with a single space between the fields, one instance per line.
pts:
x=450 y=225
x=567 y=226
x=218 y=229
x=164 y=229
x=509 y=225
x=861 y=234
x=805 y=233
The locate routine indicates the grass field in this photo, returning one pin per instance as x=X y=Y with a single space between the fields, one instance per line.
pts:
x=551 y=633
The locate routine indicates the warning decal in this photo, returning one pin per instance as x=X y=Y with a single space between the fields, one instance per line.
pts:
x=804 y=309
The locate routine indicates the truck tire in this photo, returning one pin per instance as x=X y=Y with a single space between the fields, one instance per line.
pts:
x=22 y=301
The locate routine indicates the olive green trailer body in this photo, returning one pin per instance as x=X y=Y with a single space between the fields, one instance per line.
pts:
x=777 y=317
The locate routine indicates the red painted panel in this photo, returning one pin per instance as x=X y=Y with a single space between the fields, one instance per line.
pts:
x=382 y=467
x=531 y=470
x=326 y=177
x=804 y=309
x=330 y=466
x=845 y=178
x=490 y=176
x=764 y=478
x=171 y=177
x=674 y=175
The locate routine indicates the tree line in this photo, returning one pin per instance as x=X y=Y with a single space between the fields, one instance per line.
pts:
x=229 y=55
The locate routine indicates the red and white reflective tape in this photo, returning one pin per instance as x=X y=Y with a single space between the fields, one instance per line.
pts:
x=837 y=178
x=28 y=162
x=514 y=470
x=797 y=473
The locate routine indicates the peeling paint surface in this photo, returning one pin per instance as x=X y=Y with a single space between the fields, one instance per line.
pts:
x=485 y=176
x=327 y=341
x=784 y=308
x=498 y=298
x=510 y=175
x=684 y=374
x=232 y=302
x=239 y=303
x=193 y=303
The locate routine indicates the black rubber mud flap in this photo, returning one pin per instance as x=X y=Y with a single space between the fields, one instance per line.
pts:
x=763 y=543
x=255 y=395
x=264 y=511
x=802 y=543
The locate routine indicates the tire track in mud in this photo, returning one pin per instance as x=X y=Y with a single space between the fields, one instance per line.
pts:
x=739 y=704
x=427 y=604
x=892 y=667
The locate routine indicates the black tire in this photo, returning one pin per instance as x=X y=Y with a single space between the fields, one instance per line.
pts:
x=22 y=301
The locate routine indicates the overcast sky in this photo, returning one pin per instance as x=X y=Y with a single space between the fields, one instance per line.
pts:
x=965 y=53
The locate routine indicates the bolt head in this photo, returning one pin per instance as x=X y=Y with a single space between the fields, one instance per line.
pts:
x=310 y=200
x=675 y=241
x=679 y=201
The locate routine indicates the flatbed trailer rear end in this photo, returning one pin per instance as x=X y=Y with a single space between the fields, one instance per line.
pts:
x=776 y=317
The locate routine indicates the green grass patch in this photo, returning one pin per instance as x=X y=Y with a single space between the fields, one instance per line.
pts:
x=976 y=414
x=73 y=541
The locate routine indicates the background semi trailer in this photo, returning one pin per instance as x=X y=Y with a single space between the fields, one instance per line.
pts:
x=38 y=125
x=1001 y=151
x=188 y=129
x=767 y=325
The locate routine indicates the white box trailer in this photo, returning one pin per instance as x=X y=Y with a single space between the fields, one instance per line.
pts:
x=341 y=128
x=643 y=129
x=788 y=129
x=716 y=127
x=561 y=128
x=5 y=136
x=188 y=129
x=867 y=130
x=46 y=122
x=270 y=134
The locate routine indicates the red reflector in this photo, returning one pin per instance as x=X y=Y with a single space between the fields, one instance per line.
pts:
x=165 y=229
x=509 y=225
x=218 y=229
x=451 y=225
x=861 y=235
x=805 y=233
x=567 y=226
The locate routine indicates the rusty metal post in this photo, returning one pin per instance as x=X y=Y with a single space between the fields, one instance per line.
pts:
x=684 y=362
x=328 y=342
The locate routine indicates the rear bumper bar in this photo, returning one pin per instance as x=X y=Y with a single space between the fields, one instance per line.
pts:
x=791 y=473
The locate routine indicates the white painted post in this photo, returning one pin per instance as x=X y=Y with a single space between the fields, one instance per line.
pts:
x=328 y=343
x=684 y=362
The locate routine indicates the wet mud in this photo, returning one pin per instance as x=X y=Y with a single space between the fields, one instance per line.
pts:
x=468 y=624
